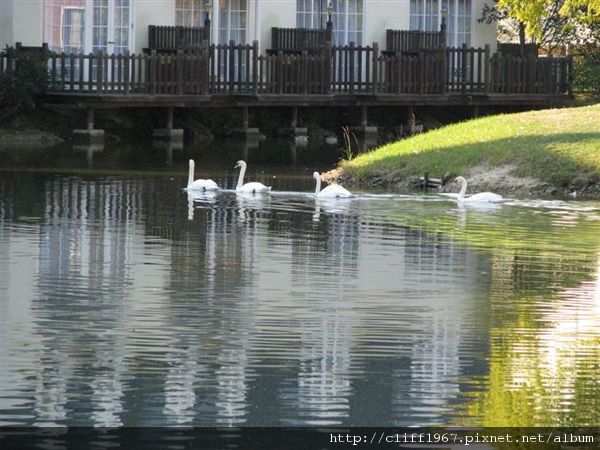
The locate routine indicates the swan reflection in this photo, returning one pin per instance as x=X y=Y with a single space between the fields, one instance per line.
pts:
x=199 y=198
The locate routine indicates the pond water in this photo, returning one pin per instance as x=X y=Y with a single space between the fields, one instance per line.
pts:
x=124 y=302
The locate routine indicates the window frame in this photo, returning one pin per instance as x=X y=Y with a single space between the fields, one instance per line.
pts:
x=184 y=13
x=317 y=19
x=447 y=9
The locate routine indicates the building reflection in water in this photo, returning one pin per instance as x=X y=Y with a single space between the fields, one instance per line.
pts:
x=249 y=313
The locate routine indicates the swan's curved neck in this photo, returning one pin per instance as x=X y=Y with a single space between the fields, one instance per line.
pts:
x=240 y=182
x=191 y=174
x=463 y=189
x=318 y=188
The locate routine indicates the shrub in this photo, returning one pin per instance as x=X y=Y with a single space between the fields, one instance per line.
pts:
x=24 y=80
x=586 y=76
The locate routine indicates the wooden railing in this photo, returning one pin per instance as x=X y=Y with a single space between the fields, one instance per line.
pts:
x=410 y=41
x=467 y=69
x=518 y=49
x=297 y=40
x=173 y=38
x=530 y=75
x=239 y=69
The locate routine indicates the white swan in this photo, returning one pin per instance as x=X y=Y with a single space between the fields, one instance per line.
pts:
x=199 y=185
x=482 y=197
x=331 y=191
x=251 y=188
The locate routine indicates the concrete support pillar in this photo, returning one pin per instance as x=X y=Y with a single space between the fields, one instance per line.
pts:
x=90 y=118
x=245 y=132
x=89 y=135
x=363 y=116
x=364 y=130
x=294 y=121
x=293 y=129
x=245 y=118
x=169 y=118
x=168 y=134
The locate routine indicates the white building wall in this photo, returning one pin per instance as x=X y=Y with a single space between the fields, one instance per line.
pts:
x=381 y=15
x=150 y=12
x=5 y=23
x=22 y=20
x=275 y=13
x=481 y=33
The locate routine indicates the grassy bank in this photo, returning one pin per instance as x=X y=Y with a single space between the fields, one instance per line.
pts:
x=558 y=147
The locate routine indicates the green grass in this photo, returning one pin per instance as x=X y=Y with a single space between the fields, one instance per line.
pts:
x=559 y=146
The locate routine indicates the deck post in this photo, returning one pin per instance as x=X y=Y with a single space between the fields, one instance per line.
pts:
x=294 y=121
x=179 y=67
x=207 y=25
x=245 y=132
x=463 y=68
x=168 y=134
x=170 y=118
x=90 y=118
x=375 y=66
x=293 y=129
x=89 y=135
x=443 y=38
x=369 y=134
x=245 y=119
x=329 y=31
x=411 y=121
x=363 y=115
x=255 y=67
x=486 y=72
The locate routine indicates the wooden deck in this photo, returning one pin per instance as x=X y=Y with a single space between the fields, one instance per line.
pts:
x=112 y=101
x=233 y=75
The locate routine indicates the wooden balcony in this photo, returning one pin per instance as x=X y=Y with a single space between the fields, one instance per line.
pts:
x=227 y=74
x=297 y=40
x=169 y=39
x=413 y=41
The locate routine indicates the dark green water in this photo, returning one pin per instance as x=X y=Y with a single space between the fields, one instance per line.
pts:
x=124 y=302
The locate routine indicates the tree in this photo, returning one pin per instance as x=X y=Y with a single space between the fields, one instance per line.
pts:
x=546 y=22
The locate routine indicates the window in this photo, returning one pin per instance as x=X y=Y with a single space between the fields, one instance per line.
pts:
x=188 y=13
x=100 y=25
x=459 y=22
x=233 y=16
x=76 y=26
x=73 y=30
x=64 y=25
x=425 y=16
x=347 y=18
x=121 y=27
x=308 y=16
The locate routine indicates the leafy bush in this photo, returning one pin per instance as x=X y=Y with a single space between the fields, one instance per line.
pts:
x=586 y=76
x=24 y=81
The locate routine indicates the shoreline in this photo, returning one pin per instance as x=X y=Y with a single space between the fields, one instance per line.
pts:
x=554 y=152
x=499 y=180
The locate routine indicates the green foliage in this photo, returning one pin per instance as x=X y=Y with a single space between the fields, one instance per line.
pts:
x=24 y=83
x=547 y=22
x=587 y=70
x=581 y=10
